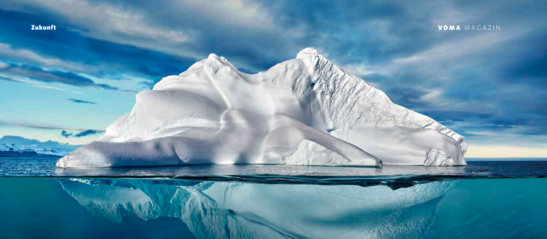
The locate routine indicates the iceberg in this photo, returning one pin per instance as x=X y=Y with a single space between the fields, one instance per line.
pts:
x=304 y=111
x=248 y=210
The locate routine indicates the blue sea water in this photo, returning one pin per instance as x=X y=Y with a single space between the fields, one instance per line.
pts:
x=486 y=199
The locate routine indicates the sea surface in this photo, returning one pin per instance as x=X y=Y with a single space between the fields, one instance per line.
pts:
x=486 y=199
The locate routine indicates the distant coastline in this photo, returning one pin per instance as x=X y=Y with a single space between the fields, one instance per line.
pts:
x=15 y=154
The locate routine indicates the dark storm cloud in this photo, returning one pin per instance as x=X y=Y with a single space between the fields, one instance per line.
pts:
x=352 y=31
x=82 y=101
x=526 y=59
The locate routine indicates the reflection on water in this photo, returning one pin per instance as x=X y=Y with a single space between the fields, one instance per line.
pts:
x=246 y=210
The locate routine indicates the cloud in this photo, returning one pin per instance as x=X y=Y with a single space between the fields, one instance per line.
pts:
x=82 y=101
x=23 y=55
x=470 y=80
x=460 y=47
x=8 y=79
x=360 y=69
x=150 y=25
x=108 y=21
x=66 y=134
x=80 y=134
x=43 y=126
x=483 y=133
x=87 y=133
x=38 y=85
x=52 y=76
x=433 y=96
x=81 y=54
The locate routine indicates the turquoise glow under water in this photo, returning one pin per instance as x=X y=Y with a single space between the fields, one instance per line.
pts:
x=168 y=208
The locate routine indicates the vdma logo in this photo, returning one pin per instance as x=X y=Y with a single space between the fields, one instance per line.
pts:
x=449 y=28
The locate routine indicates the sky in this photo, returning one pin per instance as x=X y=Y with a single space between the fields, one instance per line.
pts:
x=69 y=84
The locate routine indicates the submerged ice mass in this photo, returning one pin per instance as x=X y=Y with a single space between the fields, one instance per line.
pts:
x=248 y=210
x=305 y=111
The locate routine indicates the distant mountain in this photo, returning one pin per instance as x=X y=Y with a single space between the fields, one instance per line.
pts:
x=16 y=146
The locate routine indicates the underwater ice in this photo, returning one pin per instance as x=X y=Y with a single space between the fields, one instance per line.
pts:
x=305 y=111
x=241 y=210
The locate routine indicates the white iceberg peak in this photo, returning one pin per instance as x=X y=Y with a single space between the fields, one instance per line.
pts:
x=311 y=55
x=214 y=59
x=308 y=50
x=219 y=61
x=213 y=56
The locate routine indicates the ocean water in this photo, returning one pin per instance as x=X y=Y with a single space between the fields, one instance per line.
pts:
x=486 y=199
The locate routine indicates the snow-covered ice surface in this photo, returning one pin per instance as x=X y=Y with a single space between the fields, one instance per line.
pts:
x=243 y=210
x=305 y=111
